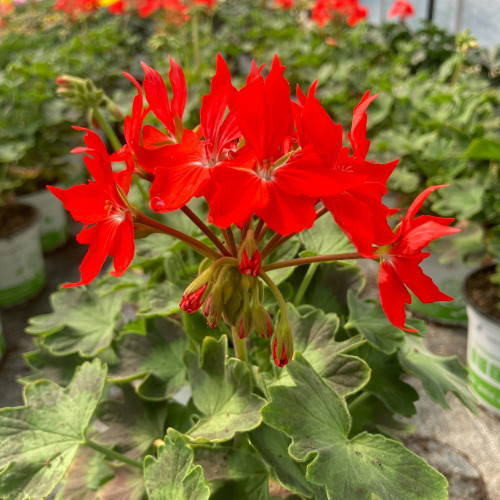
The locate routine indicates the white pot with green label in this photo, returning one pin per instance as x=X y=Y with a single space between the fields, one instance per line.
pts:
x=54 y=221
x=21 y=259
x=483 y=338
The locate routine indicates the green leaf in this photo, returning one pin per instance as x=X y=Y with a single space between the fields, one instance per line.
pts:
x=368 y=318
x=462 y=199
x=438 y=374
x=160 y=300
x=326 y=237
x=374 y=416
x=484 y=149
x=58 y=369
x=385 y=381
x=402 y=179
x=222 y=391
x=40 y=440
x=233 y=473
x=197 y=328
x=314 y=337
x=132 y=424
x=156 y=358
x=81 y=323
x=365 y=467
x=272 y=446
x=172 y=475
x=328 y=290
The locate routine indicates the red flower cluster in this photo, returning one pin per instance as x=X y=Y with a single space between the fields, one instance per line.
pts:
x=176 y=11
x=257 y=153
x=284 y=4
x=350 y=11
x=401 y=8
x=76 y=7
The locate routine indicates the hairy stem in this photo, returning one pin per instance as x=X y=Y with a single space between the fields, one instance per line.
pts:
x=239 y=345
x=229 y=237
x=206 y=230
x=275 y=291
x=200 y=247
x=113 y=139
x=311 y=260
x=112 y=454
x=305 y=283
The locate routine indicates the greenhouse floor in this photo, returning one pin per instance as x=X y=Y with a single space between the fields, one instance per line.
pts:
x=463 y=446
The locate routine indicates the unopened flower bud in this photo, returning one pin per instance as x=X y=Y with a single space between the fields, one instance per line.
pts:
x=282 y=343
x=241 y=331
x=190 y=303
x=63 y=80
x=269 y=330
x=283 y=359
x=249 y=256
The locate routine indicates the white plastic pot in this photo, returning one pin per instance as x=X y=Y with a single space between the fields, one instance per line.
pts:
x=483 y=353
x=54 y=222
x=21 y=262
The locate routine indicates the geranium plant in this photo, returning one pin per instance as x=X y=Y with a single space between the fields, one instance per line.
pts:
x=294 y=378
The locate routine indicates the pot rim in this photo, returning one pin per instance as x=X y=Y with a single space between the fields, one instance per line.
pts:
x=35 y=219
x=468 y=301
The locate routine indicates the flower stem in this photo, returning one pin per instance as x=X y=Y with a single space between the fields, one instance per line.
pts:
x=240 y=347
x=305 y=283
x=258 y=228
x=311 y=260
x=262 y=233
x=113 y=139
x=275 y=291
x=112 y=454
x=206 y=230
x=229 y=237
x=359 y=399
x=273 y=243
x=162 y=228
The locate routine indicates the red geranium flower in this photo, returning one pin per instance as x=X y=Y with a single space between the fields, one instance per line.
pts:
x=145 y=147
x=348 y=10
x=267 y=177
x=402 y=9
x=187 y=171
x=101 y=207
x=357 y=207
x=400 y=268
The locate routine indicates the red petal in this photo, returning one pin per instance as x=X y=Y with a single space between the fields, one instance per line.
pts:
x=285 y=213
x=393 y=295
x=360 y=144
x=305 y=174
x=354 y=218
x=417 y=204
x=85 y=202
x=99 y=238
x=239 y=192
x=123 y=248
x=264 y=112
x=419 y=283
x=179 y=90
x=157 y=97
x=322 y=131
